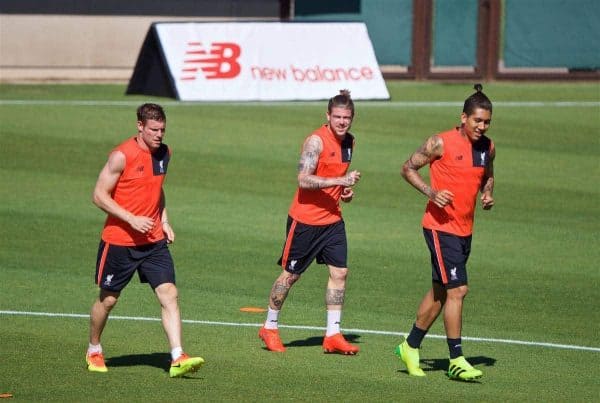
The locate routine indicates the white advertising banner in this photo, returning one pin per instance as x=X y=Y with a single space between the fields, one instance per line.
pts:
x=270 y=61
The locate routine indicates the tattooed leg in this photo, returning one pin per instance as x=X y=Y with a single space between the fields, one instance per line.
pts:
x=281 y=288
x=336 y=288
x=334 y=298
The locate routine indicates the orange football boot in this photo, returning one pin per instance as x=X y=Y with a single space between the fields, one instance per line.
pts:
x=95 y=362
x=271 y=339
x=337 y=344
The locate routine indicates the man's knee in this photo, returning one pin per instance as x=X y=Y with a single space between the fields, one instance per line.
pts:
x=166 y=293
x=338 y=273
x=287 y=278
x=459 y=292
x=108 y=299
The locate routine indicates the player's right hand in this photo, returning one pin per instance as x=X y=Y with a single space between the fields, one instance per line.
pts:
x=142 y=224
x=442 y=198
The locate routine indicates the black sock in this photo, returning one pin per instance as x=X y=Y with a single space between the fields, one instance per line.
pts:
x=455 y=347
x=416 y=336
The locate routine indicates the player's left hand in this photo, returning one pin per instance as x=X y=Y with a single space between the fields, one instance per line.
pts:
x=168 y=232
x=347 y=195
x=487 y=201
x=351 y=178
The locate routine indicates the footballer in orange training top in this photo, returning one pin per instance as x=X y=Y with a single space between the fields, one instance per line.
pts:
x=461 y=167
x=315 y=228
x=135 y=235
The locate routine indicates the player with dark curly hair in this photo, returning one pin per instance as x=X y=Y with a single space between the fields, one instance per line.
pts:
x=460 y=166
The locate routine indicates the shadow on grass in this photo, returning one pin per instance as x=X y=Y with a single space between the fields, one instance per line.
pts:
x=157 y=360
x=318 y=341
x=441 y=364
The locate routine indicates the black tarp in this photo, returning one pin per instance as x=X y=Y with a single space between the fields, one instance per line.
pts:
x=151 y=73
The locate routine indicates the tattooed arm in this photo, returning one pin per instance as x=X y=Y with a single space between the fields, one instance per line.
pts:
x=487 y=184
x=429 y=151
x=307 y=166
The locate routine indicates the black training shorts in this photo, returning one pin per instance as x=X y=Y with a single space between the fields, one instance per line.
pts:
x=116 y=265
x=449 y=255
x=305 y=242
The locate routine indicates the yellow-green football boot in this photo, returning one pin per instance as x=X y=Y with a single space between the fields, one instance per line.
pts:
x=95 y=362
x=460 y=369
x=410 y=357
x=185 y=364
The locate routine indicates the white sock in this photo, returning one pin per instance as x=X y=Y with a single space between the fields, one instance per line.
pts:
x=176 y=353
x=94 y=348
x=272 y=318
x=333 y=322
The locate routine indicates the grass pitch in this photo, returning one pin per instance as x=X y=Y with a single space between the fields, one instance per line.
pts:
x=533 y=274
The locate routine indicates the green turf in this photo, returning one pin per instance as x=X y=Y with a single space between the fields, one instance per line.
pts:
x=533 y=270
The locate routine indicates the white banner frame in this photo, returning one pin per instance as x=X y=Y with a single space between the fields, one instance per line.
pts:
x=269 y=61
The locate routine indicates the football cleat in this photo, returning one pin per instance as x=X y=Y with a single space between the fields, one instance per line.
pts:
x=95 y=362
x=337 y=344
x=271 y=339
x=410 y=357
x=460 y=369
x=184 y=365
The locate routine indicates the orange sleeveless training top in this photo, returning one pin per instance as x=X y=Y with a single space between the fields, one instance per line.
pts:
x=322 y=206
x=460 y=170
x=138 y=191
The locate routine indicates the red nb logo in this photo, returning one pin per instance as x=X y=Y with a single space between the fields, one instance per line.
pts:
x=220 y=62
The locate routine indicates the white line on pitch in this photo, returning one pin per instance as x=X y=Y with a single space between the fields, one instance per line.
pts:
x=378 y=332
x=394 y=104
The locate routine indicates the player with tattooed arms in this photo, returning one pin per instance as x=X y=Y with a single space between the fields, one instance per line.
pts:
x=460 y=166
x=315 y=228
